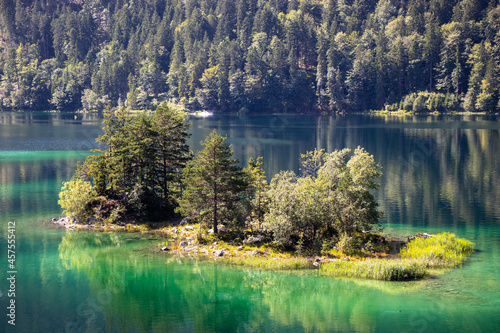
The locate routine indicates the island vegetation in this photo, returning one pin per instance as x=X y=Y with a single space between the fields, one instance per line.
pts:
x=251 y=56
x=145 y=179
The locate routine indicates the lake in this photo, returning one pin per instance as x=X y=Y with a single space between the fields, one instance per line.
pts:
x=441 y=173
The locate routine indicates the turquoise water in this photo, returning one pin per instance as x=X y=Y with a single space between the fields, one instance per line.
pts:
x=440 y=174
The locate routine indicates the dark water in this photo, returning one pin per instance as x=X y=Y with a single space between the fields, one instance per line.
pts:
x=440 y=174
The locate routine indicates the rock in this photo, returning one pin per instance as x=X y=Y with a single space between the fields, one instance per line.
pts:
x=420 y=234
x=183 y=244
x=252 y=239
x=318 y=260
x=165 y=248
x=211 y=231
x=221 y=227
x=183 y=221
x=174 y=230
x=219 y=253
x=315 y=264
x=189 y=227
x=256 y=252
x=240 y=248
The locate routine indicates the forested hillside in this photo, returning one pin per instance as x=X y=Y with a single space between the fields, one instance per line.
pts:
x=253 y=55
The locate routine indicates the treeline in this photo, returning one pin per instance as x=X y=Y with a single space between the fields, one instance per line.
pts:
x=146 y=173
x=256 y=56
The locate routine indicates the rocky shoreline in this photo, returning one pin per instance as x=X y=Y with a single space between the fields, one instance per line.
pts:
x=182 y=239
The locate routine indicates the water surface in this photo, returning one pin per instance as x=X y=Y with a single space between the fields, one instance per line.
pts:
x=441 y=173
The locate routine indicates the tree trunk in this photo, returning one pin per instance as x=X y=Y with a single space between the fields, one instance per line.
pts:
x=215 y=209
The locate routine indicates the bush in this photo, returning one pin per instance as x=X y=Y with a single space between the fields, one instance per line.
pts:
x=74 y=198
x=345 y=244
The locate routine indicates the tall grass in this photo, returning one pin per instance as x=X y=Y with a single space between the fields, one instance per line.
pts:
x=377 y=269
x=269 y=263
x=443 y=250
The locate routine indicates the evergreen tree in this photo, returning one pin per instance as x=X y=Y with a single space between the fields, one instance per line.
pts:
x=213 y=182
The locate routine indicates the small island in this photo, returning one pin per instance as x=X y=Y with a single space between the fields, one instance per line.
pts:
x=146 y=179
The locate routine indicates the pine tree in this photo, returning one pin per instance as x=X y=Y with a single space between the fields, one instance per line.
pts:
x=172 y=151
x=213 y=182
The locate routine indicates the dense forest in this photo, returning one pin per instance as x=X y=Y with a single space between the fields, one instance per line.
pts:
x=251 y=55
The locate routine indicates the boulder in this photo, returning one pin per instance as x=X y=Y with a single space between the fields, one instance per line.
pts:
x=252 y=239
x=316 y=264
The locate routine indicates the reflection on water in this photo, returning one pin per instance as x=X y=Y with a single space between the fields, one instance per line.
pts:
x=30 y=181
x=440 y=173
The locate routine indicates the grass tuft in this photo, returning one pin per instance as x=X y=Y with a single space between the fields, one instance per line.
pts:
x=268 y=263
x=443 y=250
x=377 y=269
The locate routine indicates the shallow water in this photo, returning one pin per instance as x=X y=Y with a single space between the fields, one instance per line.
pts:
x=440 y=174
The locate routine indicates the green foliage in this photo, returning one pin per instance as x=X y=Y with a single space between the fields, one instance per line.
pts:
x=440 y=251
x=138 y=172
x=336 y=201
x=74 y=198
x=213 y=184
x=269 y=263
x=376 y=269
x=346 y=244
x=267 y=55
x=256 y=193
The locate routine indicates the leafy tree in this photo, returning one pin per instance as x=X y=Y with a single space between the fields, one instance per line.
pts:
x=256 y=194
x=74 y=197
x=333 y=198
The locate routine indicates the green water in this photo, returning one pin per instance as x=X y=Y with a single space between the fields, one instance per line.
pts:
x=440 y=174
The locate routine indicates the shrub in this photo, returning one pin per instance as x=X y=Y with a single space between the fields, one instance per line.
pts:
x=74 y=198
